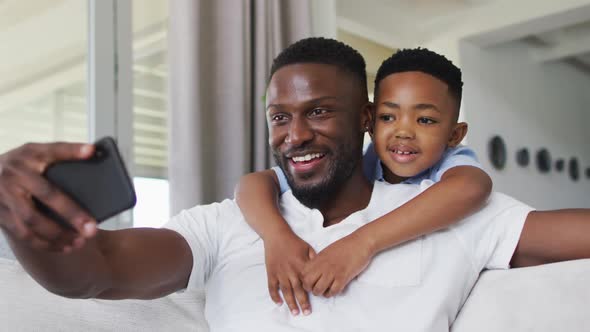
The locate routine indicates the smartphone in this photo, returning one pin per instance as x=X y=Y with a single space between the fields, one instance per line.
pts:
x=99 y=184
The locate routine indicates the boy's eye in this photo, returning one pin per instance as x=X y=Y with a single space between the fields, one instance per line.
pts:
x=423 y=120
x=386 y=117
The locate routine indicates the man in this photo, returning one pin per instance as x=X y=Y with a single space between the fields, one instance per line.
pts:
x=317 y=96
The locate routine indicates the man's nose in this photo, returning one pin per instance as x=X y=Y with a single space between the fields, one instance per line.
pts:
x=299 y=133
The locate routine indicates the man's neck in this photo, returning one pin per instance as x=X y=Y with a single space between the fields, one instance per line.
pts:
x=354 y=195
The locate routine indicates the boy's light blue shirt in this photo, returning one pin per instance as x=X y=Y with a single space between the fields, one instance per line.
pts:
x=373 y=169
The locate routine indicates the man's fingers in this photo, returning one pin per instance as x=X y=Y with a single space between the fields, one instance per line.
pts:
x=287 y=291
x=39 y=156
x=31 y=226
x=40 y=225
x=273 y=290
x=57 y=201
x=301 y=296
x=39 y=244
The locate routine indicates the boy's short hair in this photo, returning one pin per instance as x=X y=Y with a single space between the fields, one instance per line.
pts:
x=323 y=51
x=426 y=61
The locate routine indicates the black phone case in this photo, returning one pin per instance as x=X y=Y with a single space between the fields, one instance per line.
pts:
x=100 y=184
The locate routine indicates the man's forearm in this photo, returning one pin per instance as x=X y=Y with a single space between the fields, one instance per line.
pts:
x=79 y=274
x=553 y=236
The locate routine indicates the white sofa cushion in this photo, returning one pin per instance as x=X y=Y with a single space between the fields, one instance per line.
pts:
x=545 y=298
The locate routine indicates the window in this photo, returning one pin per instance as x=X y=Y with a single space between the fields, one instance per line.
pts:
x=150 y=139
x=43 y=86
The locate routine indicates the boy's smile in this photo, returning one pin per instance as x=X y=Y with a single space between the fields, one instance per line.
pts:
x=415 y=120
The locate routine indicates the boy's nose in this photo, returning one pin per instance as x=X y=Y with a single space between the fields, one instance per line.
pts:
x=404 y=131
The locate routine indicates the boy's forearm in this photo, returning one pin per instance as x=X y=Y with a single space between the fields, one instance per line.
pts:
x=461 y=191
x=257 y=195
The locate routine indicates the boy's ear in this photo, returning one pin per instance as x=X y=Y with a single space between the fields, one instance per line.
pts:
x=368 y=118
x=457 y=135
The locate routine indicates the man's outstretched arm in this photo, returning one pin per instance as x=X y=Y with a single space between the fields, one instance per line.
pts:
x=553 y=236
x=83 y=262
x=133 y=263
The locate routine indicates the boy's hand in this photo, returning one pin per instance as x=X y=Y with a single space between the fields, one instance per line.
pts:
x=335 y=266
x=285 y=257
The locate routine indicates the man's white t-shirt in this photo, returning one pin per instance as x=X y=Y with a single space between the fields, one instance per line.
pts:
x=418 y=286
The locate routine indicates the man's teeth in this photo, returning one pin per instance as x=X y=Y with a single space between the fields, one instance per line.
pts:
x=307 y=157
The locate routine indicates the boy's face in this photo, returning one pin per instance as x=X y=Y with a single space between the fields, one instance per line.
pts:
x=414 y=121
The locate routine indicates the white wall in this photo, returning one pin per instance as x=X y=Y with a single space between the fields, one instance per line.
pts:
x=529 y=105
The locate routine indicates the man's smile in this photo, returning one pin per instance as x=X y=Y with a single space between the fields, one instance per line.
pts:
x=304 y=163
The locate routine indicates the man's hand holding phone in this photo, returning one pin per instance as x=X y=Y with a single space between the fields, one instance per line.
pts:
x=21 y=179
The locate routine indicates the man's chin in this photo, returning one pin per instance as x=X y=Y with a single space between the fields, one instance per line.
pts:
x=310 y=196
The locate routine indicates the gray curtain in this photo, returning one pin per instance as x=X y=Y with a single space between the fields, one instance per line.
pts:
x=220 y=52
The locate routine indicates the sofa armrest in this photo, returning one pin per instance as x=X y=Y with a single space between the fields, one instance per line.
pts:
x=552 y=297
x=32 y=308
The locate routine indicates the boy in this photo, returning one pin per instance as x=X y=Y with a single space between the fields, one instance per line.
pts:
x=416 y=135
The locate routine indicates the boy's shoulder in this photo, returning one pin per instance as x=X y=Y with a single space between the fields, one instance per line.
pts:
x=452 y=157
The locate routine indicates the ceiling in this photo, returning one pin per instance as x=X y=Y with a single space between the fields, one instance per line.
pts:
x=553 y=30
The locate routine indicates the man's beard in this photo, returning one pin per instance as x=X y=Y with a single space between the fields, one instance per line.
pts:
x=340 y=170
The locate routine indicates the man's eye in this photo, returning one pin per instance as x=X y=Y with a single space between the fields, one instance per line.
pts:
x=318 y=111
x=278 y=118
x=426 y=121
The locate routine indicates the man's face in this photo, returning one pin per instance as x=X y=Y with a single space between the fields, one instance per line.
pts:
x=314 y=114
x=415 y=118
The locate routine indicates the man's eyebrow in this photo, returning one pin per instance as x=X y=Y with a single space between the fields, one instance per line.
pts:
x=314 y=101
x=422 y=106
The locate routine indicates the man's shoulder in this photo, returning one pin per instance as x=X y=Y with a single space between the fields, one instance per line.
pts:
x=500 y=212
x=226 y=211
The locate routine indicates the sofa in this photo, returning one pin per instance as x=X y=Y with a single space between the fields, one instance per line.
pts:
x=552 y=297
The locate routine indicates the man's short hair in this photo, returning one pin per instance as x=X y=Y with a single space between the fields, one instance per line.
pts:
x=323 y=51
x=426 y=61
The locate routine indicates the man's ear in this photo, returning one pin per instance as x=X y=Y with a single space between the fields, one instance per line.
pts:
x=368 y=118
x=457 y=135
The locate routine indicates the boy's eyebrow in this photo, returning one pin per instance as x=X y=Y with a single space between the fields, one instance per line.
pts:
x=314 y=101
x=426 y=107
x=422 y=106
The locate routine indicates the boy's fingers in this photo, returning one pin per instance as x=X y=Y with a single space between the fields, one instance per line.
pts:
x=302 y=297
x=334 y=289
x=273 y=290
x=289 y=297
x=322 y=285
x=311 y=253
x=309 y=280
